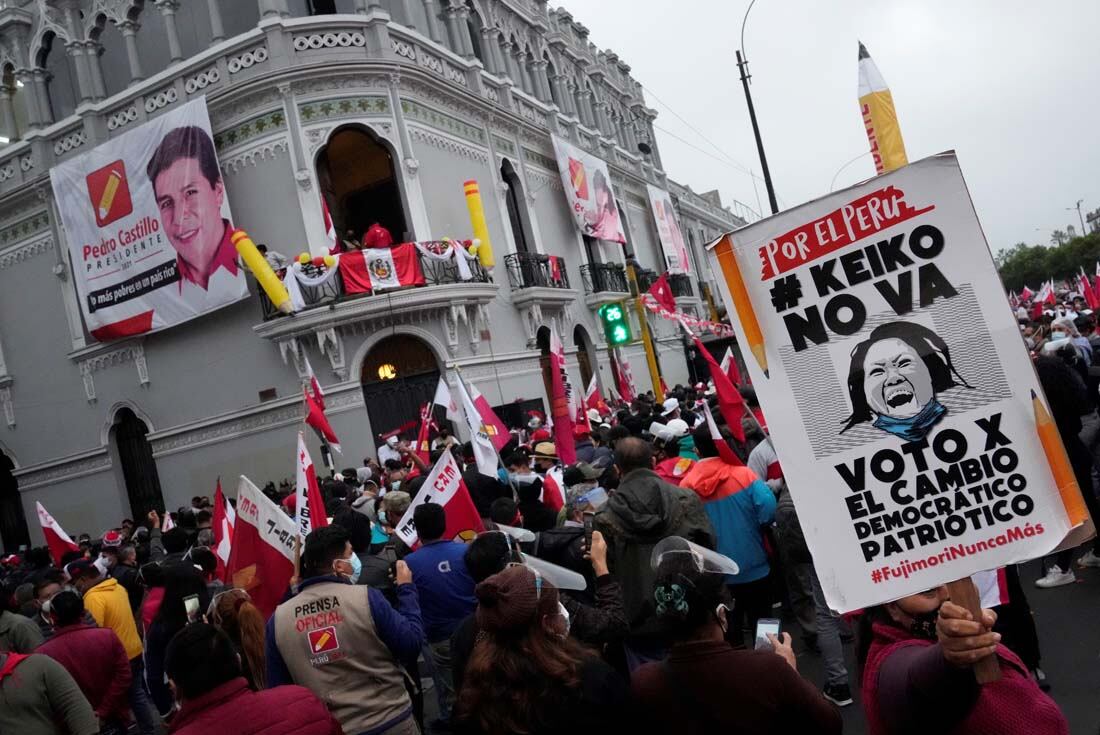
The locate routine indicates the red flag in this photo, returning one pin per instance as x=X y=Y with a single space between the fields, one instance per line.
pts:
x=315 y=417
x=730 y=367
x=57 y=540
x=661 y=292
x=1096 y=280
x=664 y=386
x=262 y=559
x=1091 y=297
x=444 y=486
x=1027 y=293
x=729 y=400
x=423 y=449
x=225 y=518
x=309 y=508
x=553 y=489
x=314 y=384
x=330 y=229
x=560 y=402
x=725 y=451
x=494 y=427
x=623 y=376
x=593 y=398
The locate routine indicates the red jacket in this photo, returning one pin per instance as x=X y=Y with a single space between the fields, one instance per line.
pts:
x=97 y=661
x=234 y=709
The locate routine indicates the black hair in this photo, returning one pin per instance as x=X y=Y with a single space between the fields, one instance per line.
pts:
x=46 y=578
x=430 y=520
x=203 y=516
x=205 y=558
x=685 y=597
x=175 y=540
x=261 y=247
x=189 y=141
x=503 y=510
x=322 y=547
x=180 y=580
x=357 y=525
x=633 y=453
x=200 y=658
x=928 y=345
x=393 y=465
x=487 y=555
x=67 y=607
x=468 y=451
x=335 y=489
x=516 y=459
x=704 y=442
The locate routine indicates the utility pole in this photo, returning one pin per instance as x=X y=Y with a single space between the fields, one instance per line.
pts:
x=643 y=325
x=742 y=66
x=1080 y=216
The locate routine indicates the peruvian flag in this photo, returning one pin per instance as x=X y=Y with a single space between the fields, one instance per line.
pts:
x=314 y=384
x=553 y=488
x=315 y=417
x=56 y=539
x=560 y=401
x=374 y=269
x=725 y=451
x=443 y=398
x=1027 y=293
x=330 y=229
x=444 y=486
x=484 y=449
x=730 y=368
x=423 y=449
x=262 y=559
x=593 y=399
x=309 y=508
x=1046 y=294
x=492 y=424
x=729 y=400
x=1096 y=279
x=225 y=518
x=992 y=587
x=622 y=374
x=661 y=292
x=1086 y=290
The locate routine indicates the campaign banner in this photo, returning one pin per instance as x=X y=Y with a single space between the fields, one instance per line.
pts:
x=903 y=405
x=148 y=226
x=668 y=230
x=588 y=189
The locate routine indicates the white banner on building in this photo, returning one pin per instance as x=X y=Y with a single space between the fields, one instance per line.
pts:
x=668 y=230
x=588 y=189
x=148 y=226
x=900 y=397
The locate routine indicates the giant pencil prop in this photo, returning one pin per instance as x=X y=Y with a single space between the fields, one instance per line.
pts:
x=266 y=277
x=477 y=221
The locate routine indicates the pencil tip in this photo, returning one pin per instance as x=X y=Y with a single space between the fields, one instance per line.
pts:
x=1034 y=395
x=767 y=374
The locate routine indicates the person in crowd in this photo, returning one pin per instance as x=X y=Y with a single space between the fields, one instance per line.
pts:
x=529 y=487
x=564 y=544
x=388 y=451
x=601 y=453
x=444 y=440
x=39 y=697
x=109 y=604
x=446 y=593
x=18 y=633
x=167 y=547
x=554 y=684
x=204 y=672
x=233 y=613
x=483 y=489
x=181 y=582
x=917 y=657
x=738 y=504
x=94 y=657
x=125 y=570
x=582 y=444
x=706 y=686
x=545 y=458
x=670 y=466
x=207 y=563
x=363 y=686
x=642 y=511
x=275 y=259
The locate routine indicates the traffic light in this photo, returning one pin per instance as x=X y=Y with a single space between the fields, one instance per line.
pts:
x=616 y=324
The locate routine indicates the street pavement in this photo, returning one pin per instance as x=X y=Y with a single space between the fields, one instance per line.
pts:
x=1066 y=618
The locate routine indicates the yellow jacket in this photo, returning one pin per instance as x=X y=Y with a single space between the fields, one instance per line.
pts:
x=110 y=606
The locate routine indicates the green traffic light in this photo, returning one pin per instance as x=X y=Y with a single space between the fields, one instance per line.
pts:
x=619 y=334
x=613 y=313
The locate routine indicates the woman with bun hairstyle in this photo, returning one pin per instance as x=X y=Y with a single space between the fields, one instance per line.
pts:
x=234 y=614
x=526 y=675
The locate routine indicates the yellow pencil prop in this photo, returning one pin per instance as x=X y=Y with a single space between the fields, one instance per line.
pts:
x=266 y=277
x=741 y=304
x=477 y=221
x=109 y=191
x=1060 y=467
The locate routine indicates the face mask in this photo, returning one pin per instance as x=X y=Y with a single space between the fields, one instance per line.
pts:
x=395 y=485
x=382 y=517
x=915 y=427
x=356 y=568
x=924 y=625
x=1056 y=336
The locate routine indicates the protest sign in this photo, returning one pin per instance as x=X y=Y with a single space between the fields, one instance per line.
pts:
x=444 y=486
x=899 y=395
x=148 y=226
x=668 y=230
x=588 y=189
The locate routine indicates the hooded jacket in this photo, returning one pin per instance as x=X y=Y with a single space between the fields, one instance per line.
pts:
x=233 y=709
x=738 y=503
x=644 y=510
x=110 y=606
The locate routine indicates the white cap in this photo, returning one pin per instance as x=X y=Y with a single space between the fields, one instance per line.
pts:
x=670 y=405
x=660 y=431
x=678 y=427
x=392 y=441
x=594 y=415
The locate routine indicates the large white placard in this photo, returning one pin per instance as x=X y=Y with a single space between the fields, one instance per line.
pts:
x=588 y=189
x=897 y=389
x=668 y=230
x=148 y=226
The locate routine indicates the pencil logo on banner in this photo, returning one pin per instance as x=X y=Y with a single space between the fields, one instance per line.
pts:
x=109 y=193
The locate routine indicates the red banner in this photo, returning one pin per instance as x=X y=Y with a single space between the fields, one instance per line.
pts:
x=401 y=268
x=560 y=402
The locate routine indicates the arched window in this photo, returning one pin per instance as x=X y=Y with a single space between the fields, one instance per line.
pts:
x=517 y=209
x=360 y=182
x=475 y=24
x=586 y=357
x=113 y=60
x=13 y=106
x=61 y=88
x=139 y=468
x=13 y=522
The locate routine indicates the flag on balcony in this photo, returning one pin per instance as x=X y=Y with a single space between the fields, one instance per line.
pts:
x=561 y=401
x=225 y=518
x=661 y=292
x=57 y=540
x=555 y=270
x=373 y=269
x=330 y=229
x=314 y=385
x=315 y=417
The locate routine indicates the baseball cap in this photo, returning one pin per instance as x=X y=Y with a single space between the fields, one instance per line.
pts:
x=678 y=427
x=81 y=568
x=670 y=405
x=392 y=441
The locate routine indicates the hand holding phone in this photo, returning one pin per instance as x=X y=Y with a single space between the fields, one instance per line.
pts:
x=764 y=626
x=589 y=517
x=191 y=606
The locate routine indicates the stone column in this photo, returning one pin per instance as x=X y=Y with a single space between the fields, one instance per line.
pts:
x=521 y=69
x=216 y=27
x=509 y=68
x=75 y=50
x=41 y=92
x=557 y=82
x=453 y=31
x=7 y=113
x=168 y=9
x=129 y=30
x=542 y=81
x=587 y=116
x=489 y=50
x=91 y=52
x=603 y=119
x=407 y=14
x=276 y=9
x=464 y=32
x=435 y=32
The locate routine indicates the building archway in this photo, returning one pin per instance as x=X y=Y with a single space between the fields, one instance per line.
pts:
x=130 y=436
x=13 y=521
x=360 y=183
x=399 y=374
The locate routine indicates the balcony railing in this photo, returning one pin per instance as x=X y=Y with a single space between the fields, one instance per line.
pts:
x=646 y=278
x=680 y=283
x=436 y=273
x=601 y=277
x=530 y=270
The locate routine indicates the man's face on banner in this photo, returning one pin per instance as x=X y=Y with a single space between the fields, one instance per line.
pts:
x=190 y=210
x=896 y=381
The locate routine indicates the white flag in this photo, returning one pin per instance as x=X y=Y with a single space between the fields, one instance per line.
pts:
x=444 y=398
x=484 y=452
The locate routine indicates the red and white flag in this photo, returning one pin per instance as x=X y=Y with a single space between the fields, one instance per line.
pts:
x=729 y=399
x=627 y=391
x=485 y=452
x=1095 y=281
x=315 y=417
x=423 y=448
x=593 y=398
x=553 y=489
x=661 y=292
x=730 y=368
x=225 y=518
x=262 y=559
x=560 y=401
x=330 y=229
x=309 y=508
x=57 y=540
x=314 y=384
x=725 y=451
x=1027 y=293
x=443 y=398
x=494 y=427
x=372 y=269
x=444 y=486
x=1091 y=297
x=992 y=587
x=167 y=524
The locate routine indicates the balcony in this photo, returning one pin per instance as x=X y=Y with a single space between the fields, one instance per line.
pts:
x=604 y=283
x=646 y=278
x=680 y=283
x=535 y=270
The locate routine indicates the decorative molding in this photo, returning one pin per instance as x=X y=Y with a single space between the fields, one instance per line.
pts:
x=163 y=98
x=342 y=81
x=64 y=469
x=447 y=143
x=5 y=400
x=25 y=251
x=248 y=59
x=343 y=107
x=403 y=48
x=229 y=111
x=70 y=142
x=414 y=110
x=334 y=351
x=26 y=163
x=7 y=171
x=99 y=358
x=505 y=145
x=316 y=137
x=202 y=80
x=338 y=39
x=255 y=127
x=267 y=150
x=540 y=159
x=122 y=118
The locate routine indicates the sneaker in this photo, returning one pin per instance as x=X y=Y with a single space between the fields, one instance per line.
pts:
x=1041 y=679
x=1056 y=578
x=1090 y=559
x=838 y=694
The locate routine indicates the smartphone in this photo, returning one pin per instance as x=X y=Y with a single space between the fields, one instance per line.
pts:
x=589 y=516
x=763 y=627
x=191 y=605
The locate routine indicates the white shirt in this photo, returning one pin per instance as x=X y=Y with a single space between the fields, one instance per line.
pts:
x=385 y=453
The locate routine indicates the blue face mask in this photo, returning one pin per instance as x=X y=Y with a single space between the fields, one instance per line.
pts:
x=915 y=427
x=356 y=567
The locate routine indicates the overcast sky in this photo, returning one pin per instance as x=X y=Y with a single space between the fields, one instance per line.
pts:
x=1013 y=86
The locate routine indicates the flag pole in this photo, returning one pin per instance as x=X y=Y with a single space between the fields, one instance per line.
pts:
x=647 y=340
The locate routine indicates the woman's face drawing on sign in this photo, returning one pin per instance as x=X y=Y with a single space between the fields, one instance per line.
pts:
x=897 y=382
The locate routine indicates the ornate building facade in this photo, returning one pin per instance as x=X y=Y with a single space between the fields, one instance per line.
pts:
x=381 y=108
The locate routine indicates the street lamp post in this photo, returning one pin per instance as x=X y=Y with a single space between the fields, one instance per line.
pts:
x=743 y=67
x=1079 y=215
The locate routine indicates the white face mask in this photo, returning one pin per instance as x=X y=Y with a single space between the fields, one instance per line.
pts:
x=1058 y=335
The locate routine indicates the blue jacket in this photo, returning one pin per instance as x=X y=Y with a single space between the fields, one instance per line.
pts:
x=738 y=504
x=446 y=589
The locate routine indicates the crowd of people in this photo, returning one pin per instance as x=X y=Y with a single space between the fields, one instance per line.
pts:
x=635 y=606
